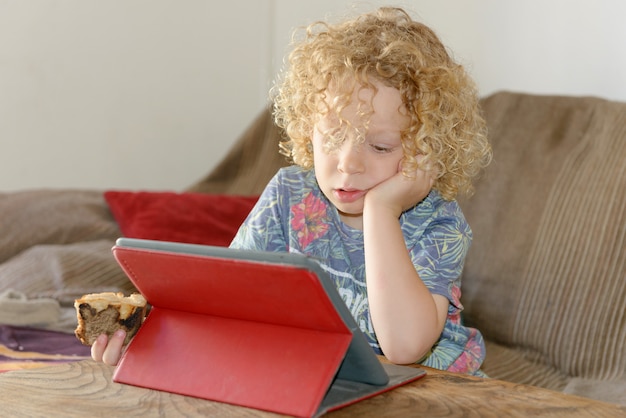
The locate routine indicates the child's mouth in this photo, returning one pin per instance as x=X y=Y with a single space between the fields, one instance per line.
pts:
x=348 y=195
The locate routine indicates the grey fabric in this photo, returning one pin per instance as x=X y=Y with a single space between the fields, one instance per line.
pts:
x=34 y=217
x=55 y=246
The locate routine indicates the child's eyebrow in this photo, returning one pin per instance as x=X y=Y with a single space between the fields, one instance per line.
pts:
x=374 y=130
x=388 y=140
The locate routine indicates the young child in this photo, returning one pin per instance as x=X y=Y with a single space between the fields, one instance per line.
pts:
x=384 y=131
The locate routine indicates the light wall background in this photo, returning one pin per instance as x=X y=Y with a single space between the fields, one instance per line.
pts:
x=150 y=94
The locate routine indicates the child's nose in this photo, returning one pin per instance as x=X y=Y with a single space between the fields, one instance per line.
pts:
x=350 y=158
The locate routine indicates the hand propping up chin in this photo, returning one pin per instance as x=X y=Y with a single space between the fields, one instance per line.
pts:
x=400 y=192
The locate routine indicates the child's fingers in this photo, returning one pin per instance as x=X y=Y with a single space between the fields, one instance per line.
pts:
x=108 y=351
x=97 y=348
x=113 y=350
x=425 y=167
x=426 y=170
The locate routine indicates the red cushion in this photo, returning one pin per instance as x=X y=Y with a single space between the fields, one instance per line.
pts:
x=194 y=218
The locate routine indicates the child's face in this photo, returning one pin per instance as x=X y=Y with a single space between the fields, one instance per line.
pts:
x=347 y=172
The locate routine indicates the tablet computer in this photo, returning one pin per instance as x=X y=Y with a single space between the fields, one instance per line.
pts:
x=260 y=329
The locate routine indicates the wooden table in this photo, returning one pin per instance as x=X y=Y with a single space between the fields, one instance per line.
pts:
x=85 y=389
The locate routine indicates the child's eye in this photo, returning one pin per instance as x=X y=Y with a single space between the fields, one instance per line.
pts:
x=381 y=148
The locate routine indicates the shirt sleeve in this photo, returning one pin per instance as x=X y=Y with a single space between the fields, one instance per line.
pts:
x=439 y=254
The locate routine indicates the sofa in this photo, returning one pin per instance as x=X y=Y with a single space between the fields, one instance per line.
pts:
x=544 y=280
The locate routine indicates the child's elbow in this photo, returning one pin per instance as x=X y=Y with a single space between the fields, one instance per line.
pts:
x=402 y=355
x=408 y=349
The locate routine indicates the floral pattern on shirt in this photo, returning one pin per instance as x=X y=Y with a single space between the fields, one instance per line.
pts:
x=309 y=219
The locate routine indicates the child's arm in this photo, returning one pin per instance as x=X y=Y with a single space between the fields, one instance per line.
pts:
x=407 y=318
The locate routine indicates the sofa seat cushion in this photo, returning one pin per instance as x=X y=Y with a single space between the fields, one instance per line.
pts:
x=515 y=364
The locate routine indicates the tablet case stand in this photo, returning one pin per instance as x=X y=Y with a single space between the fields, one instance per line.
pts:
x=254 y=341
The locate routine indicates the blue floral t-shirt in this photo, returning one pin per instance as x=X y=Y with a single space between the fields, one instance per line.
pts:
x=293 y=215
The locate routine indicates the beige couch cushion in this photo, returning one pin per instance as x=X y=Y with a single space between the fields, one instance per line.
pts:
x=545 y=279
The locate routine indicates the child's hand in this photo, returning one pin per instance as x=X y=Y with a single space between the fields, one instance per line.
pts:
x=400 y=192
x=108 y=351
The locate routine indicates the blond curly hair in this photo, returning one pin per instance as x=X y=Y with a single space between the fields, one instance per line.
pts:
x=387 y=46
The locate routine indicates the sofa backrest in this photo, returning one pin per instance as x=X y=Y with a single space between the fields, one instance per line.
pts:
x=547 y=268
x=251 y=162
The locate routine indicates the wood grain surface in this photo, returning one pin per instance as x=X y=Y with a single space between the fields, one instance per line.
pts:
x=85 y=389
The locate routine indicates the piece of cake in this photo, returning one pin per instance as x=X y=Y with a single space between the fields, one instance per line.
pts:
x=105 y=313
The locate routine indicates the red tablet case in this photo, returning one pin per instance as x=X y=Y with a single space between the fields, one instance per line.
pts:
x=256 y=340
